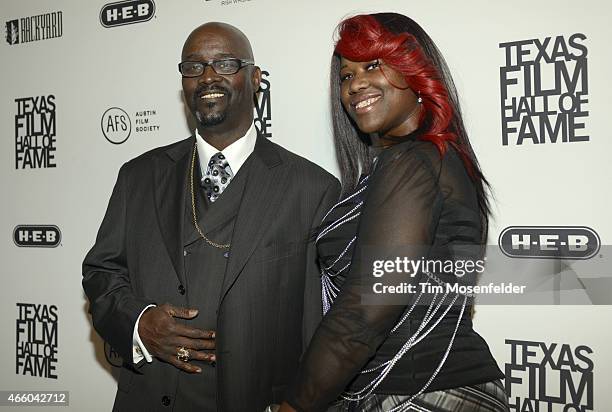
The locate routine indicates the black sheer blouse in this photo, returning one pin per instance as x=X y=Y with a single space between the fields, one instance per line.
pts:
x=416 y=198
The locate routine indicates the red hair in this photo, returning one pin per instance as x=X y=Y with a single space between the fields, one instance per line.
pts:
x=363 y=38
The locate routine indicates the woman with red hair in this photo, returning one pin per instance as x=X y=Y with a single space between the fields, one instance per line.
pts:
x=413 y=192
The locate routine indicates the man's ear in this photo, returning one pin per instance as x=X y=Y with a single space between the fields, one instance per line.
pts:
x=256 y=78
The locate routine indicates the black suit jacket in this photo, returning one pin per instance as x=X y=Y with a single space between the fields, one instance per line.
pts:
x=270 y=300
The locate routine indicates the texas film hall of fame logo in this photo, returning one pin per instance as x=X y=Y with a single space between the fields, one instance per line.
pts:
x=35 y=132
x=544 y=90
x=36 y=340
x=549 y=377
x=263 y=107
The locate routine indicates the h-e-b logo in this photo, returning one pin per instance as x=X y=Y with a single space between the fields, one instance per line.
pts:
x=127 y=12
x=37 y=236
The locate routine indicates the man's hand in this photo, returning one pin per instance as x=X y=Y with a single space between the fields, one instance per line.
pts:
x=163 y=336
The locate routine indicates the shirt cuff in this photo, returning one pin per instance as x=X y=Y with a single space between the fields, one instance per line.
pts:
x=139 y=352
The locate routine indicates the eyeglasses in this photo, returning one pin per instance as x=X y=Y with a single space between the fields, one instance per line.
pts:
x=223 y=66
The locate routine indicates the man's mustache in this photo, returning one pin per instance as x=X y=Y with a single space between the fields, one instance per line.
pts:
x=210 y=89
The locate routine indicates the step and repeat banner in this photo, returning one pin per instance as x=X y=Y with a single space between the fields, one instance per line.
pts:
x=87 y=86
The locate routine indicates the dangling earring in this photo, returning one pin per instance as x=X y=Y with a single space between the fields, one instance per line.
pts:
x=419 y=99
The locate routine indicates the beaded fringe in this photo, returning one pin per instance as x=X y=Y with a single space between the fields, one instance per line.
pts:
x=431 y=319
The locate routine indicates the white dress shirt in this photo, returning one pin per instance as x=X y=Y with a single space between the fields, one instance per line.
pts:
x=235 y=154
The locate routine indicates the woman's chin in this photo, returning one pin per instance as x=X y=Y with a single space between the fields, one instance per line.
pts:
x=367 y=127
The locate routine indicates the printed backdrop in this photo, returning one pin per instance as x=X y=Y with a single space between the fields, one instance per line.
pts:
x=88 y=85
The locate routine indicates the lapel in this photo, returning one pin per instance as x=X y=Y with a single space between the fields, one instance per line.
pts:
x=171 y=181
x=261 y=198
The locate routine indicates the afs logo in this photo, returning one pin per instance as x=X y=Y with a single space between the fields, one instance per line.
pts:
x=37 y=236
x=127 y=12
x=116 y=125
x=549 y=242
x=112 y=357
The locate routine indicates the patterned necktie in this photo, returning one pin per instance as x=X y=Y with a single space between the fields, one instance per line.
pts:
x=217 y=177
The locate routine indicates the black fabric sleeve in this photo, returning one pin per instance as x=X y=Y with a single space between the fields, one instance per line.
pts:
x=106 y=280
x=312 y=284
x=400 y=211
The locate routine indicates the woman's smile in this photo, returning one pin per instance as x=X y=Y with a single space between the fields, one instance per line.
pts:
x=364 y=104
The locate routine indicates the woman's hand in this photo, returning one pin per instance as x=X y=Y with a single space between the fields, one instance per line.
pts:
x=285 y=407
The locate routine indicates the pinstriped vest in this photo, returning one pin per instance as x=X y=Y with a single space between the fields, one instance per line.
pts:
x=204 y=272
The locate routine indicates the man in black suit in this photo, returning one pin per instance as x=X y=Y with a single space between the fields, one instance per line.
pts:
x=204 y=263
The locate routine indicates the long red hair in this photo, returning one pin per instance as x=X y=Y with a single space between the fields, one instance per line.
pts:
x=363 y=38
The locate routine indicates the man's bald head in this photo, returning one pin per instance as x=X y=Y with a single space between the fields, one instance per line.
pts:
x=222 y=103
x=238 y=40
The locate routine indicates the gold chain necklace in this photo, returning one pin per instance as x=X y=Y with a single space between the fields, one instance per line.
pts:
x=193 y=208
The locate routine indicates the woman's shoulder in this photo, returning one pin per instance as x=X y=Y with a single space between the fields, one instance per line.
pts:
x=423 y=159
x=425 y=150
x=412 y=154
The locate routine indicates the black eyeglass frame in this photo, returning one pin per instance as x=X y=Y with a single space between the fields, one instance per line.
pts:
x=241 y=63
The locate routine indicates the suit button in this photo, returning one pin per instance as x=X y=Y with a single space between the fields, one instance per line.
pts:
x=165 y=400
x=181 y=289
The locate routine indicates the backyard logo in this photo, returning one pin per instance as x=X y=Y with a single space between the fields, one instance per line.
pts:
x=34 y=28
x=12 y=32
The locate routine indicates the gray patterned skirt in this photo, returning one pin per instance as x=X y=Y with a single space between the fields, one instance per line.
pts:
x=484 y=397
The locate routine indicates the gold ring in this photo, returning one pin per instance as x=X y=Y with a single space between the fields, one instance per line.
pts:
x=182 y=354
